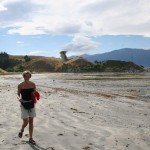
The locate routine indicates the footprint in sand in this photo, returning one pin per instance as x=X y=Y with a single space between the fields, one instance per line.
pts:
x=60 y=134
x=86 y=148
x=27 y=135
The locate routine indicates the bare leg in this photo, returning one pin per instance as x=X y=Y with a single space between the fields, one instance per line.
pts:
x=31 y=131
x=30 y=126
x=25 y=123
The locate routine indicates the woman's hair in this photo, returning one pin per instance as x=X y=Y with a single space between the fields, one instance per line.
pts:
x=26 y=72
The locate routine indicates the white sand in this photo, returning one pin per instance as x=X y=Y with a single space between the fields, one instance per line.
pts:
x=78 y=114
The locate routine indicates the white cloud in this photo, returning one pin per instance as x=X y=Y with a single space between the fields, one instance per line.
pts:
x=16 y=11
x=80 y=45
x=36 y=37
x=75 y=17
x=37 y=52
x=20 y=42
x=2 y=8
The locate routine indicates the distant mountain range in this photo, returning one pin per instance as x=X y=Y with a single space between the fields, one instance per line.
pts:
x=138 y=56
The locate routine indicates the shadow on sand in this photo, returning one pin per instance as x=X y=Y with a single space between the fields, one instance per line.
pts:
x=37 y=147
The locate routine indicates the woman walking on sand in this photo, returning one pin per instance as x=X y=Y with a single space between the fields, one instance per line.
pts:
x=28 y=113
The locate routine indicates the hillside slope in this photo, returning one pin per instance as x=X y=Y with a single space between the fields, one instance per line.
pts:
x=38 y=63
x=51 y=64
x=77 y=64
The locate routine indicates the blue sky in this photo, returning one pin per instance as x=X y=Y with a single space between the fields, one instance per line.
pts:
x=45 y=27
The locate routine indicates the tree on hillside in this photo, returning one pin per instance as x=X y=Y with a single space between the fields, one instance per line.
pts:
x=6 y=63
x=27 y=58
x=4 y=60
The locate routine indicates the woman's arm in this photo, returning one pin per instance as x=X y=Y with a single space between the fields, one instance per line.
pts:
x=34 y=86
x=18 y=93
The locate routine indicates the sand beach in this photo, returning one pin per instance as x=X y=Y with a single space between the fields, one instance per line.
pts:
x=79 y=112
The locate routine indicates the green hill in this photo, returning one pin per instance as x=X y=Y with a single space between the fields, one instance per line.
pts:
x=120 y=66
